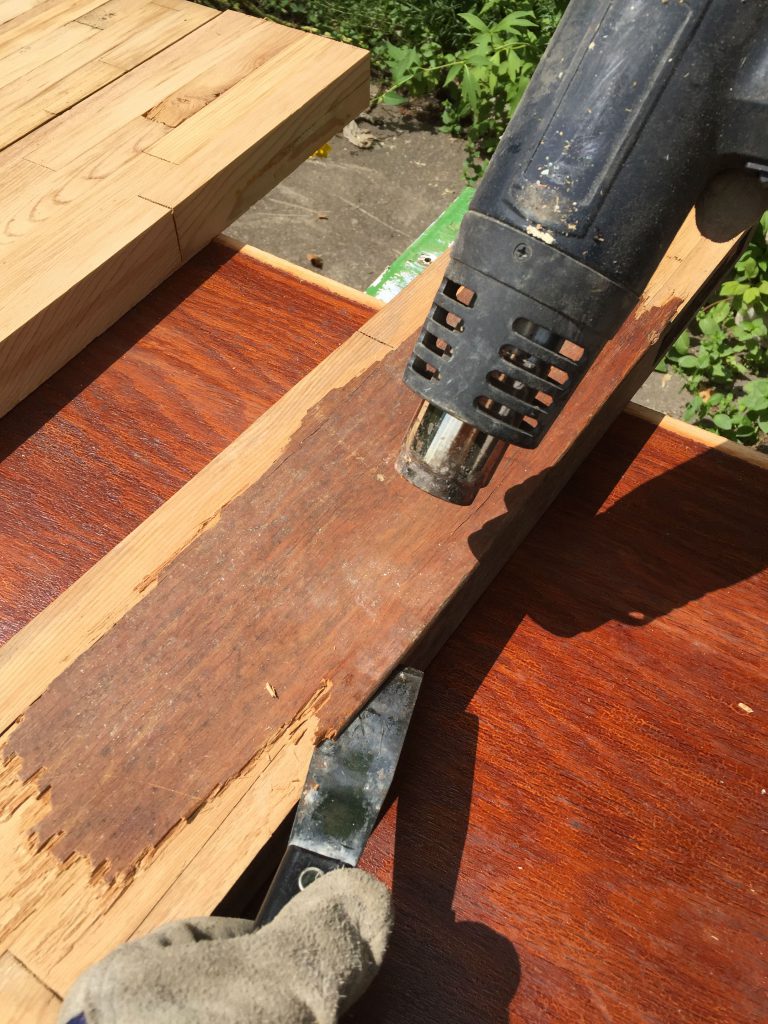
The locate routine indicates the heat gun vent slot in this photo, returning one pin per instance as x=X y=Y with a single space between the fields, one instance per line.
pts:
x=571 y=350
x=445 y=318
x=516 y=357
x=541 y=336
x=527 y=424
x=459 y=293
x=438 y=346
x=542 y=352
x=425 y=369
x=524 y=399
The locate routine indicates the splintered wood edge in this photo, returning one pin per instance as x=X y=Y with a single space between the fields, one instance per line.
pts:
x=328 y=284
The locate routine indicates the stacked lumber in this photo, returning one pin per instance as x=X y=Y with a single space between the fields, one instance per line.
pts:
x=295 y=558
x=133 y=131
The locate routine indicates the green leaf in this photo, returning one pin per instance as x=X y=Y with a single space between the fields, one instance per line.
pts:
x=742 y=332
x=732 y=288
x=722 y=421
x=516 y=19
x=469 y=88
x=688 y=362
x=514 y=64
x=453 y=71
x=474 y=22
x=748 y=266
x=755 y=402
x=392 y=98
x=683 y=343
x=709 y=325
x=402 y=62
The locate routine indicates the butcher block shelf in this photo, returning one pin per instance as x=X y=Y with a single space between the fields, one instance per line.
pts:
x=132 y=133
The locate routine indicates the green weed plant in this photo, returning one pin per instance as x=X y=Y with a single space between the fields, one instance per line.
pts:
x=723 y=356
x=481 y=77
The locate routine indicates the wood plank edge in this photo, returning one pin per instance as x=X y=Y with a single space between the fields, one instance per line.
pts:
x=697 y=434
x=328 y=284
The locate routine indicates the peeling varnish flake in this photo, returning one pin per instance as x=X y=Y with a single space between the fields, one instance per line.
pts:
x=745 y=708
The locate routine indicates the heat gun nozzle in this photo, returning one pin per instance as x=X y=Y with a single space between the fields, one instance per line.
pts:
x=447 y=457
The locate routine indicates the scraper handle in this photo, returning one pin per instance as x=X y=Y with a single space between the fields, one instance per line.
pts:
x=298 y=869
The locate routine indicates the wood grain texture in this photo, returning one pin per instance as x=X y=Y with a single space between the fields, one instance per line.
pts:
x=133 y=33
x=90 y=218
x=100 y=446
x=298 y=544
x=34 y=54
x=24 y=997
x=577 y=829
x=33 y=21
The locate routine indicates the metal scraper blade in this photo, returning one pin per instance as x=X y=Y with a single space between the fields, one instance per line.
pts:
x=346 y=786
x=349 y=777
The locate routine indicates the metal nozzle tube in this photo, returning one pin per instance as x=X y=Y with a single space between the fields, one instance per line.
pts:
x=446 y=457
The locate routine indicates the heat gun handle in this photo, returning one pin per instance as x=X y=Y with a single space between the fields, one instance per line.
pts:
x=633 y=109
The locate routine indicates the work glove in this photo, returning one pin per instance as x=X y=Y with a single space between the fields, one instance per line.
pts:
x=307 y=965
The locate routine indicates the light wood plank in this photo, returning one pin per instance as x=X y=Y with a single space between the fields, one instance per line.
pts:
x=142 y=30
x=59 y=298
x=107 y=14
x=219 y=175
x=31 y=196
x=144 y=19
x=84 y=916
x=157 y=33
x=214 y=82
x=257 y=96
x=28 y=58
x=96 y=117
x=63 y=176
x=42 y=18
x=25 y=998
x=14 y=8
x=25 y=118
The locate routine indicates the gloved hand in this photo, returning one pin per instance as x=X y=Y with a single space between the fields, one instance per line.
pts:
x=307 y=965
